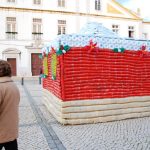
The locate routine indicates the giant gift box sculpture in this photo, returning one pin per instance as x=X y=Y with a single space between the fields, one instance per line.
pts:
x=96 y=76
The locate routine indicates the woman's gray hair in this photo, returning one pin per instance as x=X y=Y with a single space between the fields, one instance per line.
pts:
x=5 y=68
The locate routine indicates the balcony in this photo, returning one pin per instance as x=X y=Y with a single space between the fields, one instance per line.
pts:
x=11 y=35
x=37 y=35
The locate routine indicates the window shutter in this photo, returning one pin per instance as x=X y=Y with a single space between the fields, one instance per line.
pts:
x=8 y=28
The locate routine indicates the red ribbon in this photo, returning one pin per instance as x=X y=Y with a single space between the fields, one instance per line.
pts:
x=91 y=46
x=143 y=52
x=53 y=50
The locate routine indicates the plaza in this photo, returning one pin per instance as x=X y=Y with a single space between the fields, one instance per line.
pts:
x=35 y=39
x=38 y=130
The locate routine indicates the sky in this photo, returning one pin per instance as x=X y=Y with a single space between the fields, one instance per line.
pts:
x=134 y=4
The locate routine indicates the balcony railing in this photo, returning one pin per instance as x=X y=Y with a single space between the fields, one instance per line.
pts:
x=11 y=35
x=37 y=36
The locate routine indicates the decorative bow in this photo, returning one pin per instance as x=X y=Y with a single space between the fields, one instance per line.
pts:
x=40 y=56
x=119 y=50
x=143 y=51
x=62 y=49
x=143 y=47
x=91 y=46
x=44 y=54
x=53 y=51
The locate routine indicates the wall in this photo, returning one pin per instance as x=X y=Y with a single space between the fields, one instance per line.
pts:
x=75 y=21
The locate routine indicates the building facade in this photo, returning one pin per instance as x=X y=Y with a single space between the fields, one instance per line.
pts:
x=27 y=25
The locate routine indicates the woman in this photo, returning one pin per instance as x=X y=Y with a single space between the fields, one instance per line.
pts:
x=9 y=105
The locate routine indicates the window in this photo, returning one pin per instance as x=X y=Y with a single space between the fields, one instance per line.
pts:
x=37 y=2
x=97 y=5
x=61 y=27
x=145 y=36
x=11 y=1
x=37 y=29
x=131 y=31
x=11 y=28
x=61 y=3
x=115 y=28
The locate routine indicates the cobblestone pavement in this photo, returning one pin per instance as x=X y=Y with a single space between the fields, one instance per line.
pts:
x=40 y=131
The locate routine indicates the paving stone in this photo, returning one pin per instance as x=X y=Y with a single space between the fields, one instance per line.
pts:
x=36 y=93
x=60 y=147
x=32 y=138
x=26 y=116
x=38 y=101
x=42 y=132
x=54 y=148
x=24 y=102
x=107 y=133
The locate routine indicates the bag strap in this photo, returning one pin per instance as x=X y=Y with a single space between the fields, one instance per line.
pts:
x=6 y=81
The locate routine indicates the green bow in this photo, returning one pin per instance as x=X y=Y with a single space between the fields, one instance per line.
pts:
x=119 y=50
x=40 y=56
x=62 y=49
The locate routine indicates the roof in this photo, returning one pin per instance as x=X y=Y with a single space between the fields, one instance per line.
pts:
x=135 y=15
x=104 y=38
x=120 y=2
x=97 y=29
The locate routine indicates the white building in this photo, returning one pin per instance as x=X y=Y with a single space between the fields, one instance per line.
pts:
x=26 y=25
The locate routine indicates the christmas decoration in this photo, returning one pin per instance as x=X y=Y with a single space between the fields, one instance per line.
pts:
x=45 y=66
x=62 y=49
x=119 y=50
x=40 y=56
x=91 y=46
x=54 y=65
x=143 y=51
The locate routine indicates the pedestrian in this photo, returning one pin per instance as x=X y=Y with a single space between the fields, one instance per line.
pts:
x=9 y=105
x=41 y=70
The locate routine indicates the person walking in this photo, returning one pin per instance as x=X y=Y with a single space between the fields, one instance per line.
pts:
x=9 y=106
